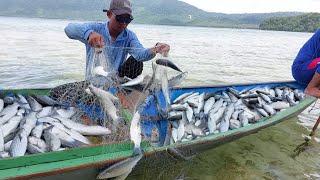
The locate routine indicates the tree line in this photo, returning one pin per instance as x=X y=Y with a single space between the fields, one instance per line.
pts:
x=309 y=22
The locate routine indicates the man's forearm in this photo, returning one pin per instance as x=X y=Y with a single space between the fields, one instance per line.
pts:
x=79 y=32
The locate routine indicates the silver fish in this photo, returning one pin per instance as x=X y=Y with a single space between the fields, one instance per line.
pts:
x=11 y=136
x=23 y=101
x=243 y=119
x=1 y=140
x=84 y=129
x=200 y=103
x=121 y=168
x=1 y=105
x=280 y=105
x=213 y=119
x=290 y=99
x=182 y=97
x=208 y=105
x=192 y=97
x=225 y=123
x=135 y=132
x=99 y=70
x=73 y=134
x=35 y=106
x=138 y=80
x=193 y=102
x=262 y=112
x=36 y=145
x=298 y=94
x=249 y=114
x=234 y=92
x=167 y=63
x=11 y=125
x=21 y=112
x=224 y=126
x=269 y=109
x=67 y=113
x=219 y=114
x=7 y=146
x=46 y=111
x=196 y=131
x=265 y=98
x=181 y=130
x=216 y=106
x=165 y=87
x=175 y=115
x=234 y=124
x=8 y=112
x=233 y=98
x=235 y=114
x=198 y=123
x=49 y=120
x=9 y=100
x=19 y=144
x=174 y=135
x=4 y=154
x=52 y=141
x=272 y=93
x=46 y=100
x=37 y=131
x=278 y=92
x=285 y=92
x=229 y=112
x=65 y=138
x=30 y=122
x=178 y=107
x=189 y=113
x=106 y=100
x=177 y=79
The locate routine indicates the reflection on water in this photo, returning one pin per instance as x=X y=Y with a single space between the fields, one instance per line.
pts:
x=36 y=53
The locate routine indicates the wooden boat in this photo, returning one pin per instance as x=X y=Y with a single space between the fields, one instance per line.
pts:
x=85 y=162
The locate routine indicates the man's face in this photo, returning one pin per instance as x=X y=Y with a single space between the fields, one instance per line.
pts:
x=118 y=23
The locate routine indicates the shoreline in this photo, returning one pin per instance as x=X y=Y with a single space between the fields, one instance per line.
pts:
x=178 y=25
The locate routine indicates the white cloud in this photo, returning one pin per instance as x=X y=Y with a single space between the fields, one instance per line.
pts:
x=256 y=6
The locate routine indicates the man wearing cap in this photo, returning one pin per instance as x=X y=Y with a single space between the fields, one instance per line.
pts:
x=116 y=39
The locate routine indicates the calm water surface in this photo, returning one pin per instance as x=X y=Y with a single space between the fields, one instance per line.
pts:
x=36 y=53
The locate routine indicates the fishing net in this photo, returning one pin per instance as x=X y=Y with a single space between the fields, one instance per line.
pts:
x=99 y=74
x=131 y=98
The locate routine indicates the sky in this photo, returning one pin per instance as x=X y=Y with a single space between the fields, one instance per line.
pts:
x=256 y=6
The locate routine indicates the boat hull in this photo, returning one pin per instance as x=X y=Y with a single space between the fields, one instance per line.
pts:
x=86 y=162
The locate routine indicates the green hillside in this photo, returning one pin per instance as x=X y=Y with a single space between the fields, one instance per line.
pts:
x=302 y=23
x=168 y=12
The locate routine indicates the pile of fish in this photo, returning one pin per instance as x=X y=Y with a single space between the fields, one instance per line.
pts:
x=194 y=115
x=38 y=124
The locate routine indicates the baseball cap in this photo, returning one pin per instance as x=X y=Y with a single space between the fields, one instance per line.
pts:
x=119 y=7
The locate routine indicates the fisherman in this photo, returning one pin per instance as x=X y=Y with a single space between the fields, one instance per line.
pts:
x=306 y=68
x=116 y=39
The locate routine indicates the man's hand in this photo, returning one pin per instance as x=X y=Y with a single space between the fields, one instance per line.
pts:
x=96 y=40
x=161 y=48
x=313 y=86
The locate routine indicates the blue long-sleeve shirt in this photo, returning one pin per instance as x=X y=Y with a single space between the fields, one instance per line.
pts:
x=310 y=50
x=115 y=52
